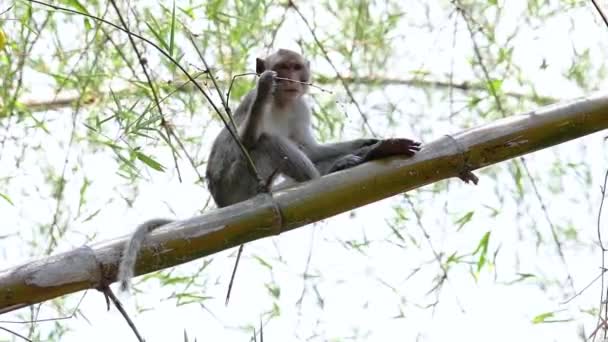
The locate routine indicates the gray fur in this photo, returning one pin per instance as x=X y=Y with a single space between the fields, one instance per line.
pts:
x=278 y=137
x=129 y=254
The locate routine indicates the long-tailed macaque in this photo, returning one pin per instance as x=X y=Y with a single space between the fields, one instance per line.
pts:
x=274 y=125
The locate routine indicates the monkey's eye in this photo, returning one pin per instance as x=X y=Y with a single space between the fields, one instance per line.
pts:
x=297 y=67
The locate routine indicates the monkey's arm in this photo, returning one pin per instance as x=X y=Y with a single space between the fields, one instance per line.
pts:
x=255 y=103
x=282 y=155
x=321 y=152
x=366 y=149
x=381 y=149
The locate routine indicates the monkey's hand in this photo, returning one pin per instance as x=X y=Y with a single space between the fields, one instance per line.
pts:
x=393 y=147
x=267 y=83
x=346 y=162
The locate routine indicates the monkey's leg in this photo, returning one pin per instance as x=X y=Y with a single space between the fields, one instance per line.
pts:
x=283 y=155
x=344 y=162
x=382 y=149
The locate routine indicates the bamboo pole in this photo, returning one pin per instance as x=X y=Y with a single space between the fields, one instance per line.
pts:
x=262 y=216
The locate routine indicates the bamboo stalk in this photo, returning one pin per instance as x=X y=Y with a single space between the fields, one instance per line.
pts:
x=308 y=202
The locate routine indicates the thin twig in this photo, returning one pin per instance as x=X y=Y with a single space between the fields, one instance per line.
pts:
x=214 y=81
x=599 y=10
x=436 y=255
x=501 y=110
x=603 y=294
x=68 y=150
x=236 y=265
x=326 y=55
x=16 y=334
x=306 y=269
x=585 y=288
x=107 y=291
x=233 y=80
x=71 y=315
x=599 y=214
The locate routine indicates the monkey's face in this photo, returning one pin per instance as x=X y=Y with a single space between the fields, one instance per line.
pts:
x=293 y=74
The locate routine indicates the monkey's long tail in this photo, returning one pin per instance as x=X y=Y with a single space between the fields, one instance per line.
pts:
x=129 y=254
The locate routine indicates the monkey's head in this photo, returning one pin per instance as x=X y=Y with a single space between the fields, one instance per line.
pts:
x=287 y=64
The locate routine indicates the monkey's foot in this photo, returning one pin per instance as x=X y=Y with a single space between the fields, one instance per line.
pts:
x=346 y=162
x=468 y=176
x=263 y=187
x=394 y=147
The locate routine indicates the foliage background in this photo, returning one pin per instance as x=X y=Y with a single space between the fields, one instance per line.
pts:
x=84 y=157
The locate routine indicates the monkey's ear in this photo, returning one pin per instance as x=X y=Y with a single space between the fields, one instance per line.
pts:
x=259 y=66
x=308 y=64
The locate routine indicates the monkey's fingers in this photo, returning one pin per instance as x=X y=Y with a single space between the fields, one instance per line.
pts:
x=266 y=82
x=468 y=176
x=394 y=147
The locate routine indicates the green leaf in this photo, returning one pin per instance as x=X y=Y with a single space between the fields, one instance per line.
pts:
x=495 y=86
x=453 y=258
x=157 y=34
x=482 y=248
x=77 y=5
x=2 y=39
x=150 y=161
x=274 y=290
x=263 y=262
x=542 y=317
x=172 y=33
x=187 y=11
x=87 y=24
x=6 y=198
x=92 y=216
x=464 y=220
x=483 y=244
x=521 y=277
x=189 y=298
